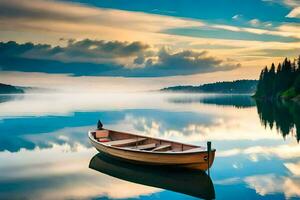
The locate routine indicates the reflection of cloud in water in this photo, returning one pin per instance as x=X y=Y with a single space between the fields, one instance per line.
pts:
x=53 y=128
x=228 y=181
x=193 y=127
x=159 y=123
x=48 y=114
x=30 y=132
x=272 y=184
x=13 y=131
x=294 y=168
x=71 y=136
x=58 y=172
x=282 y=151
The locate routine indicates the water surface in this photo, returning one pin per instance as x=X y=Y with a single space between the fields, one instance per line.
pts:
x=45 y=153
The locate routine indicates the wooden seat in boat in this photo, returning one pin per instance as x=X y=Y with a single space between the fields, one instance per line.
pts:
x=195 y=150
x=162 y=147
x=104 y=139
x=125 y=142
x=144 y=146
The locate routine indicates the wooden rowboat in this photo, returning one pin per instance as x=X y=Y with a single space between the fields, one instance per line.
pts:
x=192 y=182
x=151 y=151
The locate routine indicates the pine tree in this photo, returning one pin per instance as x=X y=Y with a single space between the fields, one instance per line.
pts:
x=259 y=89
x=298 y=66
x=264 y=82
x=271 y=82
x=277 y=80
x=297 y=77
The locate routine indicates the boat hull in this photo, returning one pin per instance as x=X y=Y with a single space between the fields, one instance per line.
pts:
x=189 y=159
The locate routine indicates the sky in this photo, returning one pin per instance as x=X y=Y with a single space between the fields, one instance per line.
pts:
x=133 y=45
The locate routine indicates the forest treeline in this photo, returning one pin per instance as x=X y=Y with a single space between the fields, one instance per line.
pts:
x=280 y=82
x=227 y=87
x=9 y=89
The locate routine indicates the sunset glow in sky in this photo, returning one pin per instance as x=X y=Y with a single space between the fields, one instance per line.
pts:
x=142 y=45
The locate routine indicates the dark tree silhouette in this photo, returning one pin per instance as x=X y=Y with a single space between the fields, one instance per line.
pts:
x=281 y=82
x=297 y=84
x=284 y=116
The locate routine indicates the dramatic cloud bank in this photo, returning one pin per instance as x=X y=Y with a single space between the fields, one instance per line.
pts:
x=162 y=39
x=107 y=58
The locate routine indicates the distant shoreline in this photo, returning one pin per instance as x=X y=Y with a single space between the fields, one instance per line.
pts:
x=226 y=87
x=10 y=89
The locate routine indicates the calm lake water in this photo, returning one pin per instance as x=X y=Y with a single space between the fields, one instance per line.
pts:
x=45 y=152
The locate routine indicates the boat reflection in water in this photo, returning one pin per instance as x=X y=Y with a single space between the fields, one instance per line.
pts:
x=192 y=182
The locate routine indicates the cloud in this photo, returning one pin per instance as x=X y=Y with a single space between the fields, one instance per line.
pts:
x=290 y=29
x=291 y=3
x=237 y=17
x=41 y=21
x=98 y=51
x=288 y=3
x=254 y=22
x=91 y=51
x=107 y=58
x=295 y=13
x=68 y=17
x=288 y=52
x=75 y=49
x=294 y=4
x=186 y=62
x=106 y=48
x=227 y=27
x=285 y=30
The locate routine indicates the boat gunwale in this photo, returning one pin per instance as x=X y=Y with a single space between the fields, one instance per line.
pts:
x=145 y=151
